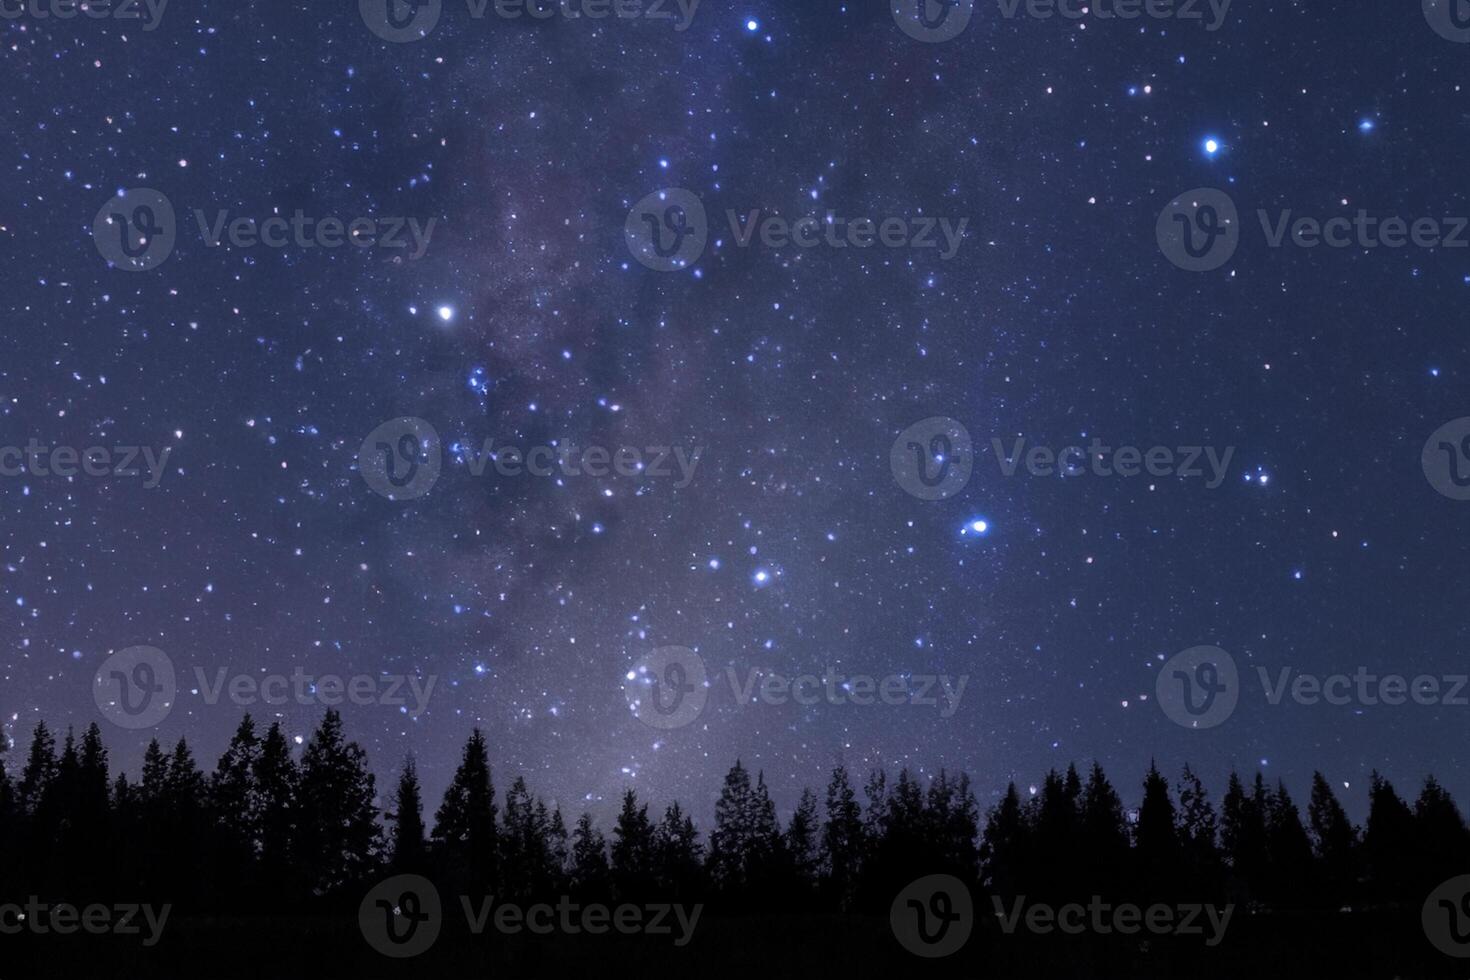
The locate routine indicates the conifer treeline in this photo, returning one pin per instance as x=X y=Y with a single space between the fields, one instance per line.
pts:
x=264 y=827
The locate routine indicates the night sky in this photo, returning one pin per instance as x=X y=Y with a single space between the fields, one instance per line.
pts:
x=527 y=318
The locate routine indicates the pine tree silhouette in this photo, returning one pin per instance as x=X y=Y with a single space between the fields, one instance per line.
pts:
x=408 y=850
x=263 y=830
x=590 y=874
x=632 y=847
x=465 y=837
x=339 y=832
x=1334 y=845
x=842 y=840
